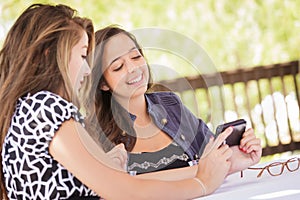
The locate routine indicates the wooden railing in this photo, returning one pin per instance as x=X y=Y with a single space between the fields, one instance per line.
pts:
x=266 y=96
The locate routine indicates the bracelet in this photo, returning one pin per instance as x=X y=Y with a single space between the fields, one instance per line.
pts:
x=201 y=184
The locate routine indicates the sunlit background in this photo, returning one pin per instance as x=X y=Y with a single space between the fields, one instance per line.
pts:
x=234 y=34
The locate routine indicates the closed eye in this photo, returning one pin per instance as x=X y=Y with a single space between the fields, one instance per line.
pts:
x=136 y=57
x=118 y=68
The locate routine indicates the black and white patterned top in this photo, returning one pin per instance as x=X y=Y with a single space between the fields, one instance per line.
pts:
x=30 y=172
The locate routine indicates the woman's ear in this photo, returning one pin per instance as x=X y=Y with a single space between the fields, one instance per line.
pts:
x=104 y=86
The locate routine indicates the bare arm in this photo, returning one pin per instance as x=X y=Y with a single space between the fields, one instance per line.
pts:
x=103 y=179
x=243 y=156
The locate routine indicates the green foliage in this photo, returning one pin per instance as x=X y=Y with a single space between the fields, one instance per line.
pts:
x=234 y=33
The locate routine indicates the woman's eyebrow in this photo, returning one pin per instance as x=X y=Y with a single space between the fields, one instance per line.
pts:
x=121 y=55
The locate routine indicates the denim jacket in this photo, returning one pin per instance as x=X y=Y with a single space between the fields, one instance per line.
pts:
x=171 y=116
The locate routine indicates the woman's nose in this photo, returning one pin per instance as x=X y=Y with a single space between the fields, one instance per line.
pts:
x=87 y=69
x=131 y=66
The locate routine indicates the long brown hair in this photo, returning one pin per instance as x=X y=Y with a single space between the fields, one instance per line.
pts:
x=114 y=120
x=35 y=57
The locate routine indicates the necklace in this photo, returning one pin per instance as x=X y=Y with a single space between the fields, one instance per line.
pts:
x=146 y=132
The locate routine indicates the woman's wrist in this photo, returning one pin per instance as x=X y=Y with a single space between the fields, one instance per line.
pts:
x=201 y=184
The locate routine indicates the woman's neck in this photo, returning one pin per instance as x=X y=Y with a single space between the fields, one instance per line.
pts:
x=136 y=106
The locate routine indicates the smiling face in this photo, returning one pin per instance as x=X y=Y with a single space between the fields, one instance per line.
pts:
x=78 y=67
x=126 y=72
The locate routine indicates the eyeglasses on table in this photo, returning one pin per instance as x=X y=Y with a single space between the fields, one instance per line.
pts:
x=277 y=168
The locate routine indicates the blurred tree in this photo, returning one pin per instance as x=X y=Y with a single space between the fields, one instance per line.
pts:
x=234 y=33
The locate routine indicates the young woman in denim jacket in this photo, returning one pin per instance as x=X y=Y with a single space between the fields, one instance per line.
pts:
x=157 y=130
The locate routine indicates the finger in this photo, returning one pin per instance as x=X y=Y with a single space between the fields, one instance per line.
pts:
x=208 y=147
x=118 y=152
x=210 y=142
x=245 y=140
x=223 y=148
x=254 y=147
x=122 y=161
x=119 y=162
x=122 y=151
x=228 y=153
x=253 y=144
x=247 y=136
x=120 y=148
x=249 y=131
x=222 y=137
x=115 y=148
x=256 y=155
x=225 y=152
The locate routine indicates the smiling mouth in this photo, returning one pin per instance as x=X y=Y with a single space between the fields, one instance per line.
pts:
x=136 y=80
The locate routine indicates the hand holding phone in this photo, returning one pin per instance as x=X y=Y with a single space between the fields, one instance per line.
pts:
x=239 y=127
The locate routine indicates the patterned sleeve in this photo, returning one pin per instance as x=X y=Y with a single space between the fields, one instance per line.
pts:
x=30 y=171
x=44 y=113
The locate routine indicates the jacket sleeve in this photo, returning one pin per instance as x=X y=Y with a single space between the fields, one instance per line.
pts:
x=195 y=129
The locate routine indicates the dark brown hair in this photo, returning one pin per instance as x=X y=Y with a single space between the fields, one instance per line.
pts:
x=113 y=119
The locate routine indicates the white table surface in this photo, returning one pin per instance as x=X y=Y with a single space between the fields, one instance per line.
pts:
x=283 y=187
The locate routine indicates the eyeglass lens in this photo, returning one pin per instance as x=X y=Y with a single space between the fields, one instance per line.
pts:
x=276 y=169
x=293 y=164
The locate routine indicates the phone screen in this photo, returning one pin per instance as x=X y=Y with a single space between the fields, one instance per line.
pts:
x=239 y=127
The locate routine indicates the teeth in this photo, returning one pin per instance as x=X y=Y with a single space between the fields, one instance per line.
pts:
x=136 y=80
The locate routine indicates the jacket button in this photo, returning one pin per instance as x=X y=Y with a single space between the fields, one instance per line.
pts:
x=182 y=137
x=164 y=121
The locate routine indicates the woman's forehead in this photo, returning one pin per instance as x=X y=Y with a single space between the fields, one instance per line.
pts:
x=117 y=46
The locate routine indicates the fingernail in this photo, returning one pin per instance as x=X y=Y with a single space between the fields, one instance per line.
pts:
x=242 y=149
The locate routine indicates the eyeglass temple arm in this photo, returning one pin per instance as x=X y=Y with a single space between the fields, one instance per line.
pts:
x=258 y=168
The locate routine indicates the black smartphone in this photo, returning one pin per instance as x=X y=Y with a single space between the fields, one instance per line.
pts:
x=235 y=137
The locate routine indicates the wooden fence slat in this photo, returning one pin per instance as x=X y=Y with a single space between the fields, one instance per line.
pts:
x=257 y=74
